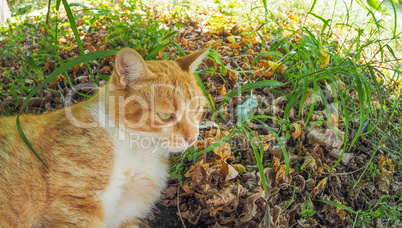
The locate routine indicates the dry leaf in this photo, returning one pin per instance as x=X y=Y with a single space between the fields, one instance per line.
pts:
x=324 y=57
x=231 y=39
x=269 y=74
x=383 y=180
x=333 y=170
x=286 y=33
x=274 y=66
x=264 y=64
x=48 y=63
x=244 y=42
x=232 y=76
x=340 y=212
x=223 y=151
x=294 y=18
x=214 y=43
x=232 y=173
x=264 y=138
x=186 y=187
x=105 y=69
x=221 y=90
x=72 y=46
x=276 y=163
x=329 y=138
x=297 y=130
x=265 y=147
x=57 y=79
x=250 y=208
x=281 y=173
x=239 y=168
x=320 y=186
x=190 y=172
x=234 y=46
x=184 y=42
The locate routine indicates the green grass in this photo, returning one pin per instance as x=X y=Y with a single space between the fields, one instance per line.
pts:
x=355 y=65
x=26 y=6
x=382 y=207
x=42 y=44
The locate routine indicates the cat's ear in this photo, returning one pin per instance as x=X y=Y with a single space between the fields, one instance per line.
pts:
x=129 y=66
x=190 y=62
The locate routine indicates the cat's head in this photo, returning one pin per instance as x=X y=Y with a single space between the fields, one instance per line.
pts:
x=158 y=97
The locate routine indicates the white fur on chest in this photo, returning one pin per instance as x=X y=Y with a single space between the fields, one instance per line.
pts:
x=139 y=175
x=139 y=172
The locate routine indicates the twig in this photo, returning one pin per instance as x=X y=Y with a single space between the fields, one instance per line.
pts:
x=9 y=25
x=47 y=15
x=338 y=174
x=178 y=206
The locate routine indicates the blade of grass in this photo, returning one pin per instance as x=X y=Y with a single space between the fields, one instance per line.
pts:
x=33 y=65
x=312 y=7
x=269 y=53
x=284 y=152
x=266 y=10
x=363 y=115
x=58 y=4
x=208 y=98
x=258 y=157
x=338 y=205
x=215 y=145
x=371 y=159
x=165 y=41
x=292 y=102
x=215 y=56
x=180 y=50
x=313 y=99
x=76 y=35
x=304 y=92
x=395 y=18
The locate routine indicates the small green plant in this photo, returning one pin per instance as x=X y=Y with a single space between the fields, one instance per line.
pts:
x=372 y=171
x=145 y=36
x=177 y=171
x=26 y=6
x=308 y=209
x=306 y=168
x=388 y=206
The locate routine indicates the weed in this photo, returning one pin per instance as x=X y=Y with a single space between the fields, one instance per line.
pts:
x=26 y=6
x=307 y=210
x=145 y=36
x=387 y=206
x=372 y=171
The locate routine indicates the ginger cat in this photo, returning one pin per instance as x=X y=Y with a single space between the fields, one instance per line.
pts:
x=107 y=156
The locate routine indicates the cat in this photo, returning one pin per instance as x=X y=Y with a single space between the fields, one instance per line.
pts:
x=107 y=157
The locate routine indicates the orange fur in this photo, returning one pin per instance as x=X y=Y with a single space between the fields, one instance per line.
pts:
x=82 y=160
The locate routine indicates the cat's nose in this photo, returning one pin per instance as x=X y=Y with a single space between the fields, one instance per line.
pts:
x=190 y=140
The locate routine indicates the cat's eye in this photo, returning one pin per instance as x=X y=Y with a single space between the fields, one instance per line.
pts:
x=165 y=116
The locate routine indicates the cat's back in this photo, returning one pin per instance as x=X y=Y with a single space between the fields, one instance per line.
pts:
x=77 y=157
x=22 y=188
